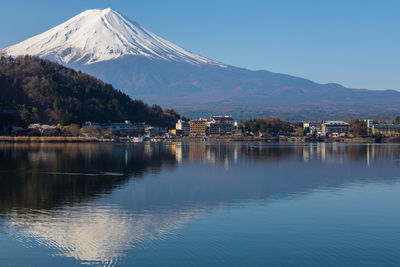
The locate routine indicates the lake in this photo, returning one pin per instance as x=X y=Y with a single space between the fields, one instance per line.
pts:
x=199 y=204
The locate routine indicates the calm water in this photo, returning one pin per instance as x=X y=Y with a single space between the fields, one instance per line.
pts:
x=200 y=204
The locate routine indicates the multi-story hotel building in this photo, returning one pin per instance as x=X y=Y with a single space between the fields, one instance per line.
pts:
x=338 y=127
x=383 y=129
x=198 y=127
x=220 y=125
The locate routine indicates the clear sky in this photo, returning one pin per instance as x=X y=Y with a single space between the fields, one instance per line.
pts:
x=352 y=42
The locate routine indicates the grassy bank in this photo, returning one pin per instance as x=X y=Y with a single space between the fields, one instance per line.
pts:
x=48 y=139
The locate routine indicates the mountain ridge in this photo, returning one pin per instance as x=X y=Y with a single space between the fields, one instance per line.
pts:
x=171 y=76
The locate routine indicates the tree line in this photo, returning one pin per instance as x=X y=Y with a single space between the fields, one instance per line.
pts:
x=275 y=126
x=37 y=90
x=268 y=126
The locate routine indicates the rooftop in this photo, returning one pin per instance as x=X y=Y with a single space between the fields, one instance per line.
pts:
x=336 y=123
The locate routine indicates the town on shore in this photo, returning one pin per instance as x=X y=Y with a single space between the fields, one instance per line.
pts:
x=215 y=128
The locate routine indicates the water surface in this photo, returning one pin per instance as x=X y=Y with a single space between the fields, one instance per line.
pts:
x=199 y=204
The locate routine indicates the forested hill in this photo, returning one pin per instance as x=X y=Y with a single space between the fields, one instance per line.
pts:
x=36 y=90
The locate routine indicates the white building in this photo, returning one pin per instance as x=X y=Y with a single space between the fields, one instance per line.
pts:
x=183 y=126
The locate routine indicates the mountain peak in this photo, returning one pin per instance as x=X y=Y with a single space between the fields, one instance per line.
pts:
x=107 y=10
x=97 y=12
x=97 y=35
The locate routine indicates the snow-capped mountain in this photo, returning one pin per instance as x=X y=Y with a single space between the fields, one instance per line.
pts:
x=99 y=35
x=145 y=66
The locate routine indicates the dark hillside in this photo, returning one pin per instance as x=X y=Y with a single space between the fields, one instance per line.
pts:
x=36 y=90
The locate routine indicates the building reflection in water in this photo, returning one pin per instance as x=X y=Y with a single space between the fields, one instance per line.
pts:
x=210 y=153
x=227 y=154
x=62 y=195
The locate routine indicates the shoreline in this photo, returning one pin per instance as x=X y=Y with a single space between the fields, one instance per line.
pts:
x=69 y=139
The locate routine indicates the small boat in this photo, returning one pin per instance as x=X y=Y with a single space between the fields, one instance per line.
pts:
x=138 y=139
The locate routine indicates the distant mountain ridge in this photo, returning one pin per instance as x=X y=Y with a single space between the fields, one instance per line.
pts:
x=105 y=44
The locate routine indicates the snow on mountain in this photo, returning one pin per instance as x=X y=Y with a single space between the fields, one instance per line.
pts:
x=108 y=46
x=99 y=35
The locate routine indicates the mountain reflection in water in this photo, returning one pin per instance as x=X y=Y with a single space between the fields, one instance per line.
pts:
x=96 y=202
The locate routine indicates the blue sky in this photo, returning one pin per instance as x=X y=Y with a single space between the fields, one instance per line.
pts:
x=354 y=43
